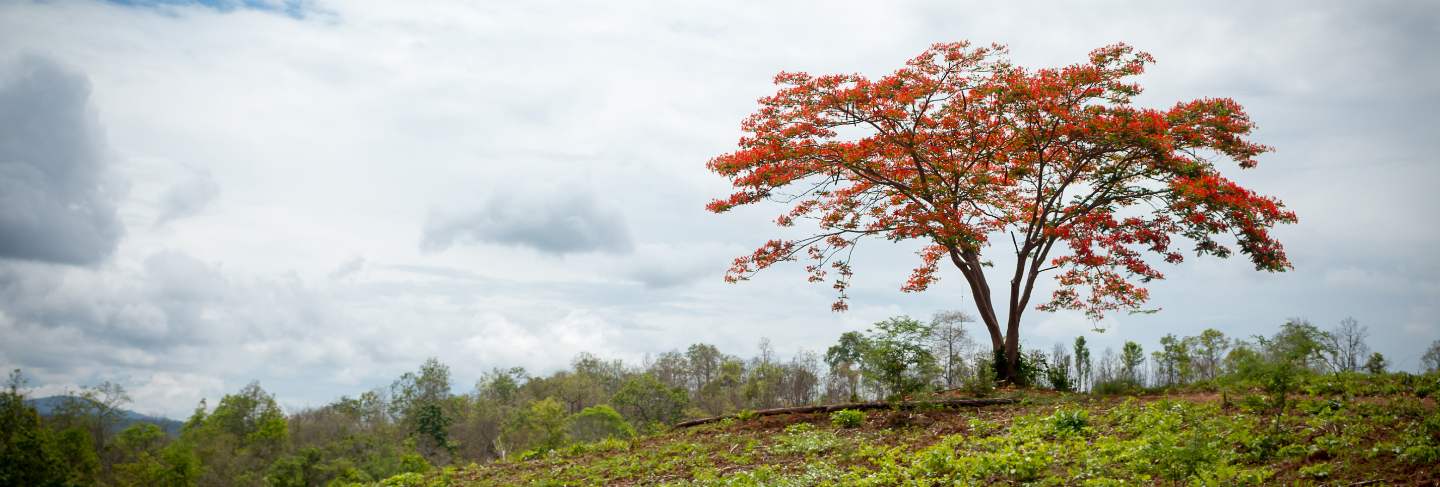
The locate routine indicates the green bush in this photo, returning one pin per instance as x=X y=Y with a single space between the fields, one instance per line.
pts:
x=804 y=439
x=982 y=382
x=894 y=354
x=605 y=445
x=1058 y=376
x=644 y=399
x=1028 y=368
x=1068 y=421
x=414 y=463
x=408 y=479
x=597 y=423
x=1115 y=387
x=541 y=426
x=1428 y=385
x=1431 y=427
x=847 y=418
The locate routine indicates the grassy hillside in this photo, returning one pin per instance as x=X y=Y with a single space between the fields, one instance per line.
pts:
x=1336 y=430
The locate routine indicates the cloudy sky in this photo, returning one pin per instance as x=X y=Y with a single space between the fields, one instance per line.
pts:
x=320 y=195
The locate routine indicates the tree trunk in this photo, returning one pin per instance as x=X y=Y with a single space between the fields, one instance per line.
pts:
x=1004 y=343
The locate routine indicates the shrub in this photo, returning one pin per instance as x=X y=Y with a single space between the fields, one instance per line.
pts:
x=541 y=426
x=408 y=479
x=1428 y=386
x=414 y=463
x=1319 y=471
x=982 y=382
x=605 y=445
x=1058 y=376
x=1115 y=387
x=1431 y=427
x=804 y=439
x=847 y=418
x=1376 y=364
x=1254 y=403
x=597 y=423
x=1069 y=421
x=644 y=399
x=896 y=356
x=1028 y=367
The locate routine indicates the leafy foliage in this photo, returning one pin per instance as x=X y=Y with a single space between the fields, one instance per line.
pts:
x=982 y=382
x=895 y=356
x=1070 y=421
x=804 y=439
x=416 y=399
x=1376 y=364
x=1431 y=359
x=1068 y=441
x=540 y=427
x=29 y=454
x=960 y=146
x=597 y=423
x=1285 y=414
x=847 y=418
x=649 y=402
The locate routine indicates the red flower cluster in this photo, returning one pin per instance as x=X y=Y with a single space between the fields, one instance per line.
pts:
x=960 y=147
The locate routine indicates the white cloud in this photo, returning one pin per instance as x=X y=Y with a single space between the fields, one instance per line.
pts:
x=189 y=196
x=162 y=392
x=539 y=347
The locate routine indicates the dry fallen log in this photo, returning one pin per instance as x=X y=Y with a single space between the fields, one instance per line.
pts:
x=859 y=406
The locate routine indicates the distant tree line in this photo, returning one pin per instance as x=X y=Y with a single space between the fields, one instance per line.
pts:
x=1211 y=356
x=418 y=422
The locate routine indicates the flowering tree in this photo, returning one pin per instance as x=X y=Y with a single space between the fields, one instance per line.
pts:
x=964 y=151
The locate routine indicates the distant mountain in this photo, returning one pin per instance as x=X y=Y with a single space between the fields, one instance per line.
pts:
x=47 y=405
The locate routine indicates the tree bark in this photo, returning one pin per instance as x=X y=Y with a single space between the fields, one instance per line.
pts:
x=1005 y=344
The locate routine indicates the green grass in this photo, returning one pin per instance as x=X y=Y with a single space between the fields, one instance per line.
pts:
x=1338 y=431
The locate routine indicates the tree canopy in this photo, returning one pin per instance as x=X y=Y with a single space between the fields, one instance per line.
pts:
x=962 y=150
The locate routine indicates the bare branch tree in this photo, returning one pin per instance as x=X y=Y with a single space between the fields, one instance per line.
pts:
x=1345 y=345
x=951 y=343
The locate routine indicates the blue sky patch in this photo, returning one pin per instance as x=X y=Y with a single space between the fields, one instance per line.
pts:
x=291 y=8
